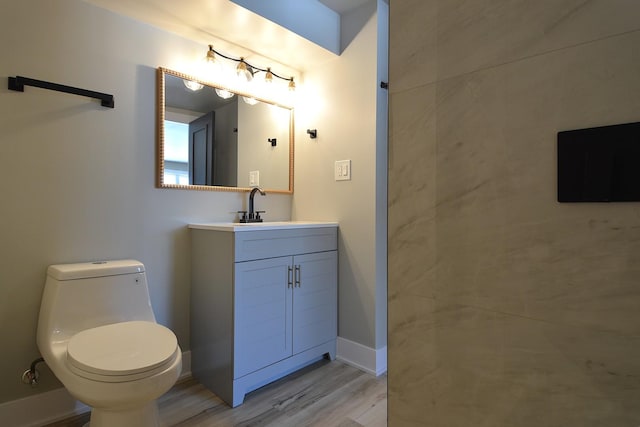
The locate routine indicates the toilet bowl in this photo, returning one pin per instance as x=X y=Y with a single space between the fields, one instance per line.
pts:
x=98 y=334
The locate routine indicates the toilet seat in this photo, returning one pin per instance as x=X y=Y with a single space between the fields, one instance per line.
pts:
x=122 y=352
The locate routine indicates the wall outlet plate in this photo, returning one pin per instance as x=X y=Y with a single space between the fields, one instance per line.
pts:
x=342 y=170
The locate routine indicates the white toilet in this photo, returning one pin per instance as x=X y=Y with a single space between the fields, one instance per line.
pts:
x=98 y=334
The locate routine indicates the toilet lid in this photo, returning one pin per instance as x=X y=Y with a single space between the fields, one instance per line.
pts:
x=122 y=349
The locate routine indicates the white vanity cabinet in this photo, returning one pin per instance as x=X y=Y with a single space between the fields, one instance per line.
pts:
x=263 y=303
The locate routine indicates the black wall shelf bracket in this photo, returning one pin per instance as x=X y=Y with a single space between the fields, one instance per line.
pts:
x=18 y=83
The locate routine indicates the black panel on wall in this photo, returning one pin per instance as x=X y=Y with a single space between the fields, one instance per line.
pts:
x=600 y=164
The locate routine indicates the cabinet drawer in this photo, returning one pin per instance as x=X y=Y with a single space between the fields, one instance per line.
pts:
x=250 y=245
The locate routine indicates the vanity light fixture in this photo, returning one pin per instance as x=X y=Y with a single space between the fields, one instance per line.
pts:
x=248 y=71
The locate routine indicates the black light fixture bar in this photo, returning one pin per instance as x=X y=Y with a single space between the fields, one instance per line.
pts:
x=18 y=83
x=253 y=67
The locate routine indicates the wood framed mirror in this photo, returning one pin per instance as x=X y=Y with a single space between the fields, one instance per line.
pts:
x=210 y=138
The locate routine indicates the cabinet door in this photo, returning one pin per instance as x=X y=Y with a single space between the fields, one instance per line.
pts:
x=315 y=300
x=262 y=314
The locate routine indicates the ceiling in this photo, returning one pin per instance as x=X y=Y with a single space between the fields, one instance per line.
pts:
x=343 y=6
x=225 y=24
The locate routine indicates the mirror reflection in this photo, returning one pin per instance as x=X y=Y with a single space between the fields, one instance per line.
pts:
x=214 y=139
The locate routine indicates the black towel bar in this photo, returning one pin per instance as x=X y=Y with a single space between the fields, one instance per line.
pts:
x=18 y=83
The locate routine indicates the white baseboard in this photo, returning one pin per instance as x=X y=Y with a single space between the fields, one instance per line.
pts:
x=362 y=357
x=54 y=405
x=40 y=409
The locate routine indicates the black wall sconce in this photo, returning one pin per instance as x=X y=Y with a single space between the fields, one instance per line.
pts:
x=272 y=141
x=313 y=133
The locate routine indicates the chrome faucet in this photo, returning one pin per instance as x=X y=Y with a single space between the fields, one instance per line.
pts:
x=254 y=216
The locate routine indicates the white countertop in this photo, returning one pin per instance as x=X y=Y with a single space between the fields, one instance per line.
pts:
x=254 y=226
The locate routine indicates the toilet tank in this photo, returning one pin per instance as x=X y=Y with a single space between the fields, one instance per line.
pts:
x=86 y=295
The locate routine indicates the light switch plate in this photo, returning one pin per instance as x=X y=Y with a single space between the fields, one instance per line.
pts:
x=254 y=178
x=342 y=170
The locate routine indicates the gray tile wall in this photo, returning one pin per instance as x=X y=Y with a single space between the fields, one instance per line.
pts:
x=507 y=308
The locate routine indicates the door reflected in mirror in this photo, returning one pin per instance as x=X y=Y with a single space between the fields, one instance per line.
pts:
x=212 y=139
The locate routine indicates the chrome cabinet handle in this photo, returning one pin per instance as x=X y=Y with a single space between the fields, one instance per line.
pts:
x=289 y=277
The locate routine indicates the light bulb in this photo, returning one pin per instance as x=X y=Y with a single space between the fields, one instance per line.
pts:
x=268 y=78
x=191 y=85
x=249 y=100
x=244 y=71
x=292 y=85
x=211 y=66
x=211 y=54
x=224 y=94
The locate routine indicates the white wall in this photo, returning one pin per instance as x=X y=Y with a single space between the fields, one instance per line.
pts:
x=339 y=100
x=255 y=153
x=77 y=180
x=382 y=130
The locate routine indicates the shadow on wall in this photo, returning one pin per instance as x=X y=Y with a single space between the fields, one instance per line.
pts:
x=353 y=275
x=351 y=23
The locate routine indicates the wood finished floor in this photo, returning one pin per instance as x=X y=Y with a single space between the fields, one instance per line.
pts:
x=327 y=394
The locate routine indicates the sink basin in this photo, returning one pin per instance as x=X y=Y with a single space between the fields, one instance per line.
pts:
x=267 y=225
